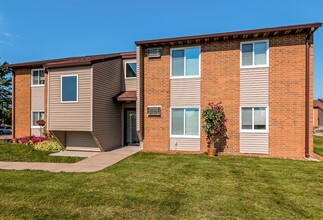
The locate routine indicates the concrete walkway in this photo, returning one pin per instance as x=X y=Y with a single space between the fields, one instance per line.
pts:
x=91 y=164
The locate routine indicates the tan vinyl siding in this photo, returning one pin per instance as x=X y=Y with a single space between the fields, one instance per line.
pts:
x=254 y=83
x=185 y=144
x=106 y=113
x=131 y=84
x=60 y=137
x=70 y=116
x=35 y=131
x=80 y=140
x=185 y=92
x=140 y=94
x=37 y=98
x=254 y=143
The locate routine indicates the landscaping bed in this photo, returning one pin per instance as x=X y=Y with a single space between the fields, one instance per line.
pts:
x=162 y=186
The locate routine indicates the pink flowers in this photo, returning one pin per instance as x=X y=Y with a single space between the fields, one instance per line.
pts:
x=40 y=122
x=30 y=140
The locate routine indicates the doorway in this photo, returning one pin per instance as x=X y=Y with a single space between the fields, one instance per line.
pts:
x=130 y=133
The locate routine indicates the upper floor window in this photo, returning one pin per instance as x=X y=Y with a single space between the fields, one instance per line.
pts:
x=38 y=77
x=254 y=54
x=131 y=69
x=69 y=88
x=185 y=62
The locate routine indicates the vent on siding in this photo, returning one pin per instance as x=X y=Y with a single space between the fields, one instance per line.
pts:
x=153 y=110
x=154 y=52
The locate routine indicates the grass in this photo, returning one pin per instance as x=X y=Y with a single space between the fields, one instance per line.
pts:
x=23 y=153
x=318 y=145
x=161 y=186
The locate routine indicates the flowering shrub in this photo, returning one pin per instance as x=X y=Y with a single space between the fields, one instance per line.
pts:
x=29 y=140
x=215 y=128
x=49 y=145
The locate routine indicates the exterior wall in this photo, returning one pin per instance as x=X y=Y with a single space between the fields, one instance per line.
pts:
x=140 y=94
x=106 y=113
x=320 y=117
x=60 y=137
x=80 y=140
x=70 y=116
x=157 y=92
x=287 y=96
x=254 y=89
x=184 y=144
x=315 y=117
x=282 y=87
x=22 y=103
x=37 y=104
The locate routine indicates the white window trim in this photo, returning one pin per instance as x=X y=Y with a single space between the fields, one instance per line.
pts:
x=253 y=54
x=32 y=81
x=255 y=130
x=185 y=136
x=125 y=68
x=77 y=88
x=32 y=119
x=171 y=62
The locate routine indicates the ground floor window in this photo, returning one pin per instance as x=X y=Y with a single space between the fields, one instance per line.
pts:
x=37 y=116
x=185 y=121
x=254 y=119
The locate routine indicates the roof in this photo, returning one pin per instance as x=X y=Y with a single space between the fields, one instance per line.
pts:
x=73 y=61
x=264 y=32
x=128 y=96
x=318 y=104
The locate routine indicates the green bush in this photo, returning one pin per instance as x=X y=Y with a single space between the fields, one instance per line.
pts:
x=50 y=145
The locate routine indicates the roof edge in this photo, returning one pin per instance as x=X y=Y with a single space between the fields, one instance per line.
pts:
x=227 y=34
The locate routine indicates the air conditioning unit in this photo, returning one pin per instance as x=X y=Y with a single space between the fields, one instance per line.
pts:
x=154 y=52
x=153 y=110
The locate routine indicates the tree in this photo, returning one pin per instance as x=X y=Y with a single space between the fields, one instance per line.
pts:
x=5 y=92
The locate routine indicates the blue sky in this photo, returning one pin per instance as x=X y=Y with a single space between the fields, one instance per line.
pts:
x=45 y=29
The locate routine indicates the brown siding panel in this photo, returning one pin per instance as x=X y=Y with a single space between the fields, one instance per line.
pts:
x=37 y=98
x=106 y=113
x=185 y=92
x=70 y=116
x=79 y=140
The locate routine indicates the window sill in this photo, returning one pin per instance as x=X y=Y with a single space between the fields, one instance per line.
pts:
x=255 y=131
x=184 y=77
x=185 y=136
x=42 y=85
x=134 y=77
x=63 y=102
x=253 y=67
x=38 y=127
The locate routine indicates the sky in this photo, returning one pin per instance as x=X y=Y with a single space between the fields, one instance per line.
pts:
x=47 y=29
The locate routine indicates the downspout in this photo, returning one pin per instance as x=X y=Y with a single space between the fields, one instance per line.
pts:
x=13 y=105
x=307 y=92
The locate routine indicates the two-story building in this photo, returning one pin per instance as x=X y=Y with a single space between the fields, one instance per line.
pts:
x=154 y=96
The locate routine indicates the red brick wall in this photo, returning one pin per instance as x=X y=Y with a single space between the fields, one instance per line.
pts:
x=220 y=81
x=157 y=92
x=287 y=97
x=21 y=124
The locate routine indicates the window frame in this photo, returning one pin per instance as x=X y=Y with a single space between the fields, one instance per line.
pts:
x=253 y=121
x=32 y=80
x=32 y=118
x=185 y=136
x=125 y=68
x=253 y=53
x=77 y=88
x=171 y=62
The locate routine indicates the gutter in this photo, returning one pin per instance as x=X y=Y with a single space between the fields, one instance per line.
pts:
x=308 y=42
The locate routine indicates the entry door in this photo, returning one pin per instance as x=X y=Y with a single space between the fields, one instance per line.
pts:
x=131 y=136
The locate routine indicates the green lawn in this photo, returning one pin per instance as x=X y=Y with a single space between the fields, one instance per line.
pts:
x=161 y=186
x=318 y=145
x=23 y=153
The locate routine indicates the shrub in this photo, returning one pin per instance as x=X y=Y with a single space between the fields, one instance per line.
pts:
x=48 y=145
x=30 y=140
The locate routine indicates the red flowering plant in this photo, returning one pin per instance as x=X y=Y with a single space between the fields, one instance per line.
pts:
x=30 y=140
x=41 y=123
x=215 y=126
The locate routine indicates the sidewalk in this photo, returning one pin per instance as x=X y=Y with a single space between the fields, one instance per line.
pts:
x=91 y=164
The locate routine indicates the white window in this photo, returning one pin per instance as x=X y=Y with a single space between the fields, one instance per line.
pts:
x=130 y=69
x=254 y=54
x=35 y=116
x=37 y=77
x=185 y=62
x=254 y=119
x=69 y=88
x=185 y=122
